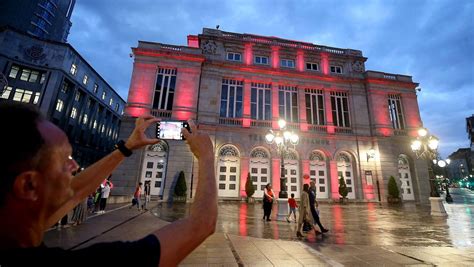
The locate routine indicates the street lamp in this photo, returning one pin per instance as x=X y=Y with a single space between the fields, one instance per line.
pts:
x=442 y=164
x=426 y=147
x=283 y=139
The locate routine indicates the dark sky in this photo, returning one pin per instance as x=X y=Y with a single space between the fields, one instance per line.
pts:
x=432 y=41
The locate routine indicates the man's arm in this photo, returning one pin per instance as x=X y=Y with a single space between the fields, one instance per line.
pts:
x=87 y=181
x=181 y=237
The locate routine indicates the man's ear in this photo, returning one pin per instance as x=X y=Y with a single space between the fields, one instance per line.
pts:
x=27 y=185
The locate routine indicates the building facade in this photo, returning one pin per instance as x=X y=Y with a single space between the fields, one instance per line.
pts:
x=46 y=19
x=351 y=122
x=54 y=76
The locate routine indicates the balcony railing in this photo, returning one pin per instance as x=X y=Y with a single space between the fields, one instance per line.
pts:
x=231 y=121
x=262 y=124
x=159 y=113
x=293 y=125
x=400 y=133
x=343 y=130
x=317 y=128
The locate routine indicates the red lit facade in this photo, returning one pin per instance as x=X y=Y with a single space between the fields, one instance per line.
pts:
x=237 y=86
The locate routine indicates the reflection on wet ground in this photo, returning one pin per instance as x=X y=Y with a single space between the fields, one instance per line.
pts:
x=351 y=224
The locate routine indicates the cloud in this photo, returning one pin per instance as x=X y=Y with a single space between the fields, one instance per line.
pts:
x=429 y=40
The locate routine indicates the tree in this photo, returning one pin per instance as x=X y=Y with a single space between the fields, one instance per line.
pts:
x=249 y=189
x=180 y=188
x=393 y=191
x=342 y=187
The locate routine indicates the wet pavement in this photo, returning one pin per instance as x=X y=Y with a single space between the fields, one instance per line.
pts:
x=364 y=234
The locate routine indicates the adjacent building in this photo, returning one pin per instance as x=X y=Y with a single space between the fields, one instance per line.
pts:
x=38 y=67
x=351 y=122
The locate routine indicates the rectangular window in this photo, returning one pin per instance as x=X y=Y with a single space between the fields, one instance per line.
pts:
x=164 y=89
x=73 y=69
x=336 y=69
x=84 y=119
x=312 y=66
x=6 y=93
x=25 y=75
x=95 y=89
x=59 y=105
x=104 y=95
x=73 y=113
x=14 y=72
x=231 y=99
x=116 y=106
x=234 y=56
x=85 y=79
x=287 y=63
x=111 y=102
x=43 y=78
x=288 y=103
x=314 y=100
x=340 y=109
x=396 y=112
x=77 y=97
x=261 y=60
x=22 y=95
x=260 y=108
x=36 y=98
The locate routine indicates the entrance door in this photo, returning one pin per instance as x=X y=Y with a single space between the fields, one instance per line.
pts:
x=344 y=168
x=259 y=170
x=318 y=173
x=405 y=178
x=154 y=168
x=292 y=177
x=228 y=169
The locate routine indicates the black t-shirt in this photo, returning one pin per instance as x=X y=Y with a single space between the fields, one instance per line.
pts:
x=143 y=252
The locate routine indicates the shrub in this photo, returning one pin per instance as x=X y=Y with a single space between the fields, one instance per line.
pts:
x=180 y=188
x=393 y=188
x=342 y=187
x=249 y=190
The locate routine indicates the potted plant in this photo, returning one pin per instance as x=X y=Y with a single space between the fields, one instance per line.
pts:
x=180 y=188
x=343 y=189
x=249 y=189
x=393 y=192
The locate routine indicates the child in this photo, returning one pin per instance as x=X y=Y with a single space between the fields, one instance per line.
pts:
x=136 y=196
x=293 y=206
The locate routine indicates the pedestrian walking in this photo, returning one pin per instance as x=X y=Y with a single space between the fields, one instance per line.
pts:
x=293 y=206
x=104 y=196
x=304 y=209
x=136 y=196
x=313 y=205
x=147 y=189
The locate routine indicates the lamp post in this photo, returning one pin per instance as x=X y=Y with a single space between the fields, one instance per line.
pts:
x=283 y=139
x=444 y=177
x=426 y=147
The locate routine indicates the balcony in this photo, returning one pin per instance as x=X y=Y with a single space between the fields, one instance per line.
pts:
x=343 y=130
x=261 y=124
x=231 y=121
x=400 y=132
x=293 y=126
x=160 y=113
x=317 y=128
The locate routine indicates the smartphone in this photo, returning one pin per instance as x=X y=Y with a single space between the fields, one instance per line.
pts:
x=171 y=130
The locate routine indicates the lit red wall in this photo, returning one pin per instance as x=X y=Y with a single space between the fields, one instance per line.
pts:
x=140 y=95
x=412 y=113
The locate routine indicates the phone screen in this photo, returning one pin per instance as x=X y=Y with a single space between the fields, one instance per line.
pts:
x=170 y=129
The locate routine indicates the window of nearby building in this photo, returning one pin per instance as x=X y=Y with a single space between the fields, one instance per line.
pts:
x=59 y=105
x=396 y=111
x=6 y=93
x=85 y=79
x=64 y=87
x=95 y=89
x=261 y=60
x=116 y=107
x=314 y=100
x=234 y=56
x=104 y=94
x=94 y=125
x=73 y=69
x=288 y=103
x=77 y=97
x=336 y=69
x=312 y=66
x=231 y=98
x=260 y=101
x=164 y=89
x=22 y=95
x=111 y=102
x=43 y=78
x=287 y=63
x=84 y=119
x=340 y=109
x=73 y=113
x=14 y=72
x=36 y=98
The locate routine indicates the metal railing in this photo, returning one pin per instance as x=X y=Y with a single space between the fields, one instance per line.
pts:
x=231 y=121
x=260 y=123
x=159 y=113
x=317 y=128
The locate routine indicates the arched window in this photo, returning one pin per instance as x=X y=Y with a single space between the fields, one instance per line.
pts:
x=228 y=171
x=154 y=167
x=318 y=173
x=259 y=170
x=292 y=172
x=404 y=174
x=346 y=170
